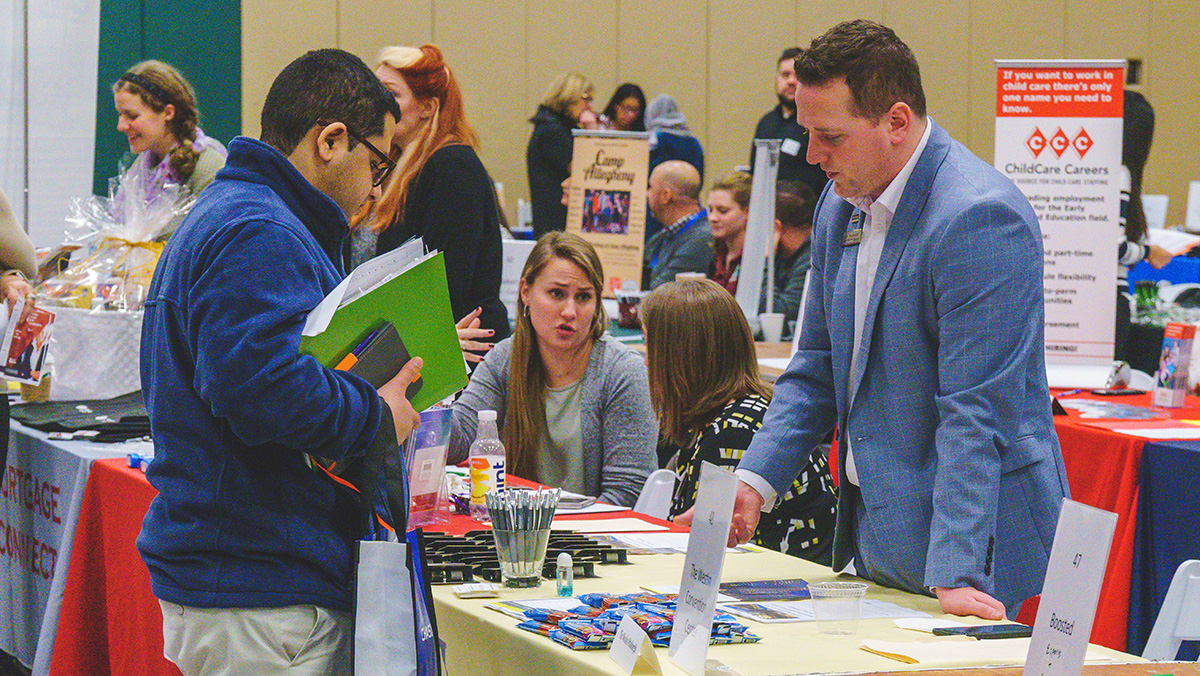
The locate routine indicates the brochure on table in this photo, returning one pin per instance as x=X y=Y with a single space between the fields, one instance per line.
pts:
x=699 y=585
x=607 y=200
x=1058 y=137
x=1072 y=589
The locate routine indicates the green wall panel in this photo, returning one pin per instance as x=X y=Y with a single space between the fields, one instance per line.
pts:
x=200 y=37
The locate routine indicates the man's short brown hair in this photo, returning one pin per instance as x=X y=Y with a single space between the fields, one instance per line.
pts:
x=879 y=68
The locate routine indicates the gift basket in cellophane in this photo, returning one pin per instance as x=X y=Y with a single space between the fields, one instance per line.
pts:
x=98 y=298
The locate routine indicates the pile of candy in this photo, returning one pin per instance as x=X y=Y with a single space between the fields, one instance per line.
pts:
x=593 y=625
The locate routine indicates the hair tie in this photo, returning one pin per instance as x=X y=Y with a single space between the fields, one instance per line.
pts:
x=146 y=85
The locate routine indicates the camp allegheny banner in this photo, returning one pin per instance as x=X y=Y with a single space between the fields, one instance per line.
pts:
x=607 y=201
x=1058 y=137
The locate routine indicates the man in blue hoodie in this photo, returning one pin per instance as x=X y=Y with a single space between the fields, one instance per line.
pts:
x=250 y=551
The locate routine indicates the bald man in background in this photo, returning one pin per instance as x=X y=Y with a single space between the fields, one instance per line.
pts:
x=685 y=245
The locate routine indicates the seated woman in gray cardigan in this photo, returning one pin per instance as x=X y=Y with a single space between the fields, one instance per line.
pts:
x=573 y=405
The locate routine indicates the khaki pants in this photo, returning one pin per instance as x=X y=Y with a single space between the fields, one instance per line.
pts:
x=296 y=640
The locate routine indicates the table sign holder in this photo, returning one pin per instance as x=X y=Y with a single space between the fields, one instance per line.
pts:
x=701 y=578
x=1071 y=591
x=1171 y=382
x=632 y=650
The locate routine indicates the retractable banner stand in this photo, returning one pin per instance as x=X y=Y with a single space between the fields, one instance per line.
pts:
x=1058 y=137
x=607 y=200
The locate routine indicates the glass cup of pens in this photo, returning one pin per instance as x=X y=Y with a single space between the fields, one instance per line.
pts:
x=521 y=526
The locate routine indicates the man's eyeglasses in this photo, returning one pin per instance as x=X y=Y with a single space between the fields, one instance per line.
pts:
x=379 y=172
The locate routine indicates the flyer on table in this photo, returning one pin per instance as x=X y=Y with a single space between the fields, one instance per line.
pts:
x=607 y=201
x=1058 y=137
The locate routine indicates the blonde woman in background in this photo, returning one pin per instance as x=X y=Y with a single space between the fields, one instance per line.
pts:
x=572 y=403
x=548 y=156
x=440 y=191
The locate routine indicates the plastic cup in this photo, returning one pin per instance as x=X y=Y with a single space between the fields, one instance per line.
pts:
x=521 y=554
x=772 y=326
x=837 y=606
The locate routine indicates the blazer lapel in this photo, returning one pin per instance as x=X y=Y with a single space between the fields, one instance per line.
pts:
x=840 y=310
x=908 y=212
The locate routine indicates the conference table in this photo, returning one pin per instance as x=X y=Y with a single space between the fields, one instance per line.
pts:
x=109 y=623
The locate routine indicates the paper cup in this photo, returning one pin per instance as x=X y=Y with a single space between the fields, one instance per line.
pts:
x=837 y=606
x=772 y=326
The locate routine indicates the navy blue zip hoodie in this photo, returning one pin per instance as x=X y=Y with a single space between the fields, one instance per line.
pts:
x=240 y=520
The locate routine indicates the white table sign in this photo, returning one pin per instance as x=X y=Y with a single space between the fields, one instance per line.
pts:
x=702 y=569
x=1071 y=590
x=633 y=651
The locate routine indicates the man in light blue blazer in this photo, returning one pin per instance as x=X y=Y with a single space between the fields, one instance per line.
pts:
x=922 y=342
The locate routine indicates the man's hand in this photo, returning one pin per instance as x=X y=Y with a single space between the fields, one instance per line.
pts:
x=969 y=601
x=468 y=331
x=404 y=417
x=747 y=508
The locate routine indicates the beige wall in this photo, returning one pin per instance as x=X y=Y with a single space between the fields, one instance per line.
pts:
x=717 y=58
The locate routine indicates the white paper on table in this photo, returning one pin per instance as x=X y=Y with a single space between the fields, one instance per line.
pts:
x=668 y=543
x=517 y=609
x=1189 y=432
x=1175 y=241
x=774 y=363
x=961 y=650
x=597 y=508
x=628 y=525
x=769 y=612
x=1078 y=375
x=674 y=589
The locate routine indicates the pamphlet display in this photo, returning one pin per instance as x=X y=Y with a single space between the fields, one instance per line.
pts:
x=1171 y=384
x=1058 y=137
x=25 y=344
x=607 y=201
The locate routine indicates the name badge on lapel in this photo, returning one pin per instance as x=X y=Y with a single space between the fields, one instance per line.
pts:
x=854 y=233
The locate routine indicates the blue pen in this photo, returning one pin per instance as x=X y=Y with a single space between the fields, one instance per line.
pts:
x=1069 y=393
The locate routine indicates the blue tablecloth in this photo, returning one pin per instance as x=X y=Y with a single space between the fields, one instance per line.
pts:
x=1168 y=517
x=1181 y=270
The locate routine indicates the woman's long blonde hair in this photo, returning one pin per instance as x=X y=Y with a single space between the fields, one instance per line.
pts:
x=430 y=79
x=525 y=417
x=699 y=355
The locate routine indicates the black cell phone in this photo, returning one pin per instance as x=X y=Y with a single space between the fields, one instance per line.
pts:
x=987 y=631
x=1117 y=393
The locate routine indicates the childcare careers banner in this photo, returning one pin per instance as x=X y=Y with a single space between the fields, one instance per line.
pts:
x=1058 y=137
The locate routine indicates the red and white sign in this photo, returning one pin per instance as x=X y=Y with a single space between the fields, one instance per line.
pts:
x=1058 y=137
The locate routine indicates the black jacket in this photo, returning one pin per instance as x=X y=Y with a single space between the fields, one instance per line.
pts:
x=548 y=161
x=451 y=205
x=791 y=167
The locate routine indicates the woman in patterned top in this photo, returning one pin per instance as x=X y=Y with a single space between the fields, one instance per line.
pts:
x=710 y=400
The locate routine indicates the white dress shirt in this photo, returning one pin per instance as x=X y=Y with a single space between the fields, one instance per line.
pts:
x=878 y=215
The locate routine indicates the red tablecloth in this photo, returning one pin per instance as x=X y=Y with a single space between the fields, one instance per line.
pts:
x=110 y=622
x=1102 y=471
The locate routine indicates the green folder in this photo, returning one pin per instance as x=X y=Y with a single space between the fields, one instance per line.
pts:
x=417 y=303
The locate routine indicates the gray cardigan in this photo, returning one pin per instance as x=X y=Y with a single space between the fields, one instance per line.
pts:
x=618 y=427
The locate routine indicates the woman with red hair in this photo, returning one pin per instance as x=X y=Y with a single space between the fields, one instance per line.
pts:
x=439 y=191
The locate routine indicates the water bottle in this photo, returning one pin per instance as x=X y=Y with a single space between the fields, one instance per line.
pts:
x=487 y=465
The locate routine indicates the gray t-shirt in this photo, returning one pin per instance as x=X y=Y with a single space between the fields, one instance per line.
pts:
x=560 y=453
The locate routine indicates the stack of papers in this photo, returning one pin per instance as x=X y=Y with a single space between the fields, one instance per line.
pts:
x=802 y=611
